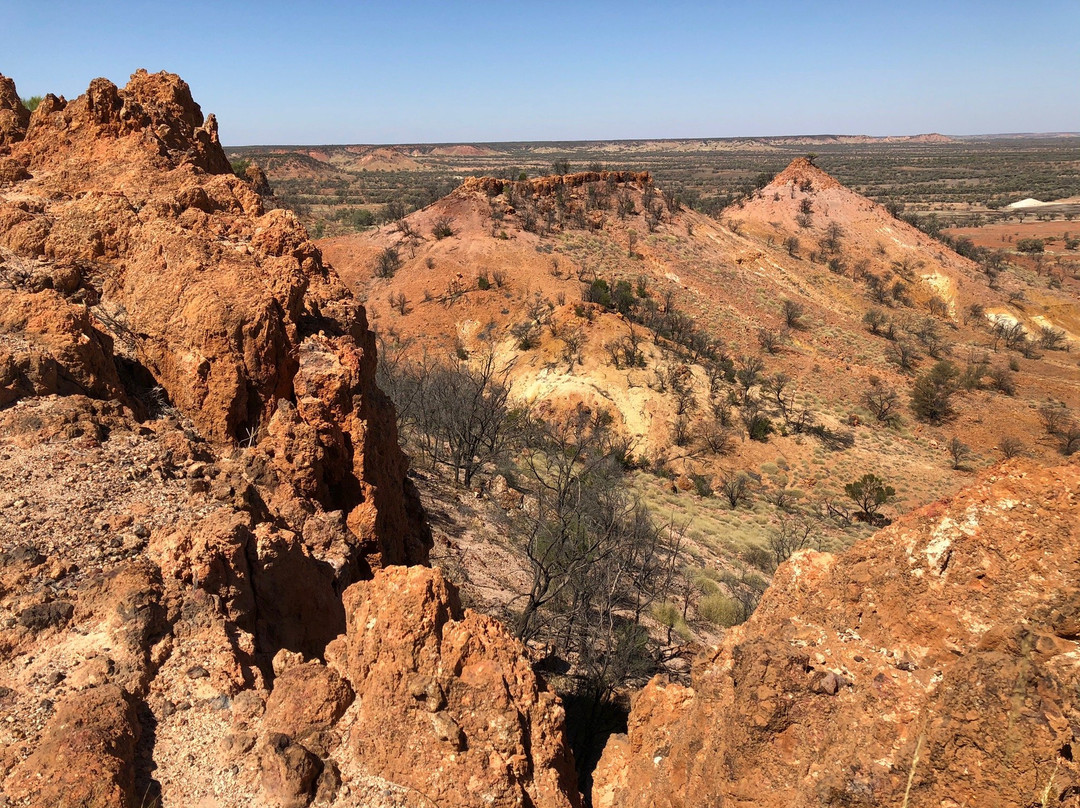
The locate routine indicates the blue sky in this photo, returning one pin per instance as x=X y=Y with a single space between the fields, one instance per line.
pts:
x=414 y=72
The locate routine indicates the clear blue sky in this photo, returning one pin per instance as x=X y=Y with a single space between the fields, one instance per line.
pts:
x=396 y=72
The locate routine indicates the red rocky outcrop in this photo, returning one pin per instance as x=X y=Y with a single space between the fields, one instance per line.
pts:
x=195 y=465
x=14 y=117
x=933 y=664
x=446 y=705
x=229 y=309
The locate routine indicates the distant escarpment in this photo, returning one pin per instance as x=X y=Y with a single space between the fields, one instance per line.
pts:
x=543 y=186
x=935 y=663
x=201 y=487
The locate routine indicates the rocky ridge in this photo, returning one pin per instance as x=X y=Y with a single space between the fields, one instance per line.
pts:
x=201 y=486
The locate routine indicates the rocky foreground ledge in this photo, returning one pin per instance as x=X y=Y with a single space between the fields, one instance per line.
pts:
x=936 y=663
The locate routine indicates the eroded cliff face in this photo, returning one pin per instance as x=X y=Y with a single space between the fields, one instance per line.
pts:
x=936 y=663
x=196 y=464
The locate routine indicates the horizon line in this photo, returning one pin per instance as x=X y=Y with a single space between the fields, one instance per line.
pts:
x=575 y=141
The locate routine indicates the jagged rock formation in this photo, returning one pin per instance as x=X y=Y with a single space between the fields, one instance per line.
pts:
x=133 y=208
x=933 y=664
x=446 y=704
x=14 y=117
x=196 y=463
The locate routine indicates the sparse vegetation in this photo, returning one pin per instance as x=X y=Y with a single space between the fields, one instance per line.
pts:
x=387 y=263
x=442 y=228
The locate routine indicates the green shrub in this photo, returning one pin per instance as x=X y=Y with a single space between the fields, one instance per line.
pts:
x=719 y=609
x=931 y=397
x=702 y=486
x=599 y=292
x=759 y=427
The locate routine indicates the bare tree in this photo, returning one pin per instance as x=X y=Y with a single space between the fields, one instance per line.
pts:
x=793 y=313
x=748 y=370
x=399 y=302
x=882 y=401
x=902 y=353
x=794 y=533
x=779 y=390
x=1011 y=447
x=736 y=488
x=387 y=263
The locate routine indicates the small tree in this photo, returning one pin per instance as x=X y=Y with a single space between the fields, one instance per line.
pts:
x=870 y=493
x=793 y=534
x=875 y=320
x=831 y=242
x=793 y=314
x=770 y=340
x=902 y=353
x=561 y=166
x=959 y=451
x=736 y=488
x=1069 y=438
x=1031 y=246
x=931 y=397
x=1011 y=447
x=792 y=246
x=1051 y=338
x=882 y=401
x=400 y=303
x=1054 y=418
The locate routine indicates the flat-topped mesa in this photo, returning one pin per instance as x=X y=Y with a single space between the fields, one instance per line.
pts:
x=543 y=186
x=800 y=171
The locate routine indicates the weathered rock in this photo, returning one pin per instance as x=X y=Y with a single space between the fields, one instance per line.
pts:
x=211 y=465
x=932 y=664
x=46 y=615
x=52 y=347
x=229 y=310
x=447 y=703
x=156 y=321
x=86 y=756
x=306 y=698
x=257 y=177
x=289 y=772
x=14 y=117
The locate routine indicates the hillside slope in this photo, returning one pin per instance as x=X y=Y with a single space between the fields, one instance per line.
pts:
x=516 y=259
